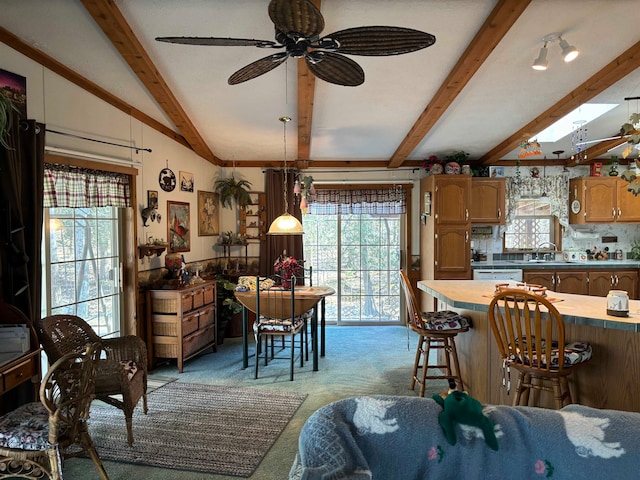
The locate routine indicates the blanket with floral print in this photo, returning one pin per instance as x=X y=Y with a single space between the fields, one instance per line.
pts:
x=391 y=438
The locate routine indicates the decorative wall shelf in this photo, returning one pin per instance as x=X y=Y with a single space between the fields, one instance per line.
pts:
x=150 y=250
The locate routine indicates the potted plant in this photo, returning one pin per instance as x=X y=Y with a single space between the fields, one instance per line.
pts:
x=231 y=189
x=228 y=307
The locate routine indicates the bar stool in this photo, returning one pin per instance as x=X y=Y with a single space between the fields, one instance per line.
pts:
x=436 y=330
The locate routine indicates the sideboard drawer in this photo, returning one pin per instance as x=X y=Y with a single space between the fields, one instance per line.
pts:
x=19 y=374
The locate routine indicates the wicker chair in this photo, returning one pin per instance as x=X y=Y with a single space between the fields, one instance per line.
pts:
x=529 y=332
x=437 y=330
x=35 y=436
x=122 y=373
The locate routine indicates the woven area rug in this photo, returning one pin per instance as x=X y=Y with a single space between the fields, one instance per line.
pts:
x=205 y=428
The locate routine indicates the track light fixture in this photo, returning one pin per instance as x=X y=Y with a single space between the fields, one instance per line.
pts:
x=569 y=52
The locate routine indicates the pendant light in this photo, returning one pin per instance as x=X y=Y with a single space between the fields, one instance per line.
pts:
x=285 y=224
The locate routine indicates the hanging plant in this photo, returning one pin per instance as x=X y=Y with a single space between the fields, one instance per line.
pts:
x=6 y=107
x=632 y=129
x=231 y=189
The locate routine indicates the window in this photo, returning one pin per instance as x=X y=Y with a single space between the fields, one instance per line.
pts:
x=532 y=225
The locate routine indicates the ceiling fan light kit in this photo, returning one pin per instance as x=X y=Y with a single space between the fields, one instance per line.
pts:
x=569 y=52
x=298 y=24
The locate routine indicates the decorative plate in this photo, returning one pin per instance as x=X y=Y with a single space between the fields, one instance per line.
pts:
x=167 y=180
x=575 y=207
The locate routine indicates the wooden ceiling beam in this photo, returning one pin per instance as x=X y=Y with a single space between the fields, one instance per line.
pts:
x=613 y=72
x=495 y=27
x=331 y=164
x=109 y=18
x=65 y=72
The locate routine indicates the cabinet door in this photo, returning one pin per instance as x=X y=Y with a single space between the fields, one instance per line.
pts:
x=487 y=201
x=628 y=204
x=540 y=277
x=452 y=199
x=452 y=253
x=628 y=281
x=600 y=200
x=572 y=281
x=600 y=282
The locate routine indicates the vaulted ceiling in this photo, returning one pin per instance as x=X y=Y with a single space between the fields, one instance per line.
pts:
x=473 y=90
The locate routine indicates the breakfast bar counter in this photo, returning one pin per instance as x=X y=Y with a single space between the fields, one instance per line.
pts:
x=609 y=380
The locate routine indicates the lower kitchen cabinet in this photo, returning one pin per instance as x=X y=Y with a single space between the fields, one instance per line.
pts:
x=562 y=281
x=601 y=281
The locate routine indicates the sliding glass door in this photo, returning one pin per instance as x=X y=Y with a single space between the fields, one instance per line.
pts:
x=359 y=256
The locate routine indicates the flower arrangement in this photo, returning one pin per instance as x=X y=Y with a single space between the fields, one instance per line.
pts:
x=287 y=267
x=428 y=163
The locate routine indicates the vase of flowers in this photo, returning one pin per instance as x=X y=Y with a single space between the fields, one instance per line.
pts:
x=287 y=267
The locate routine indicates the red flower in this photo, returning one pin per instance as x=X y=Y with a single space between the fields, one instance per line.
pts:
x=287 y=267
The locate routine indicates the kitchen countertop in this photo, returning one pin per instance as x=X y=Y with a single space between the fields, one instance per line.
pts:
x=578 y=309
x=526 y=265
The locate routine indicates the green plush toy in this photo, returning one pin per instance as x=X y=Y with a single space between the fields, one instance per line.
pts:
x=460 y=408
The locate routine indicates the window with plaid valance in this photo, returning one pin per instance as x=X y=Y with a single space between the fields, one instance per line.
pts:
x=375 y=201
x=76 y=187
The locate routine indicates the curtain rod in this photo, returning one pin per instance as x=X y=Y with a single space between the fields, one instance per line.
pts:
x=92 y=156
x=137 y=149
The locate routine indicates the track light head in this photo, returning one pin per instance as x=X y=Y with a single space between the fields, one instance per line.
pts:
x=541 y=62
x=569 y=52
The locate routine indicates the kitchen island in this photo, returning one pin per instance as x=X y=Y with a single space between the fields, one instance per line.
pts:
x=609 y=380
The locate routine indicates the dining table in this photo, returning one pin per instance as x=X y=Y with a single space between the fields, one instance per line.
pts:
x=305 y=298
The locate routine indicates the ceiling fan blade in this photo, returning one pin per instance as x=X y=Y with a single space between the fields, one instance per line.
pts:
x=257 y=68
x=379 y=41
x=296 y=16
x=218 y=42
x=334 y=68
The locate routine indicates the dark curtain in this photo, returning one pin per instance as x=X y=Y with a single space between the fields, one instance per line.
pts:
x=274 y=245
x=21 y=186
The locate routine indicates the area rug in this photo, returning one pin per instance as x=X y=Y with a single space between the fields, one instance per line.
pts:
x=212 y=429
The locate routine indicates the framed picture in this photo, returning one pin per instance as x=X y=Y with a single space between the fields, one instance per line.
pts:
x=178 y=226
x=15 y=87
x=496 y=172
x=208 y=221
x=152 y=198
x=186 y=181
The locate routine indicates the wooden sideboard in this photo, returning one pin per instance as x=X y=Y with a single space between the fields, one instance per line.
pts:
x=18 y=368
x=181 y=322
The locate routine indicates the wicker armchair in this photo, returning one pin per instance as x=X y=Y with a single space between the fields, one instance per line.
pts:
x=35 y=436
x=123 y=371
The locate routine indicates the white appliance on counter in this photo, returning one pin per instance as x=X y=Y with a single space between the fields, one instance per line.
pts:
x=497 y=274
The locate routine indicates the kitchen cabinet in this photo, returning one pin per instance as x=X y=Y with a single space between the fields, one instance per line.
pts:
x=445 y=234
x=487 y=205
x=563 y=281
x=602 y=200
x=181 y=322
x=601 y=281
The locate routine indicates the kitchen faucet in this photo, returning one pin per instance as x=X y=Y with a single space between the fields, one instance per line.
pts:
x=555 y=249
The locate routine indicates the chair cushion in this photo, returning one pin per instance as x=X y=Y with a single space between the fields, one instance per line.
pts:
x=25 y=428
x=574 y=354
x=277 y=325
x=444 y=320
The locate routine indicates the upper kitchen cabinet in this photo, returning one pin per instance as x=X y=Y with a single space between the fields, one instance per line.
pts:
x=450 y=198
x=602 y=200
x=487 y=201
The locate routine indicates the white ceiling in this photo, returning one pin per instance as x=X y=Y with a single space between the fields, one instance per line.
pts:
x=368 y=122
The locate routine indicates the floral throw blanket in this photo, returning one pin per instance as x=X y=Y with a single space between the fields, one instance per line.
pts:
x=391 y=438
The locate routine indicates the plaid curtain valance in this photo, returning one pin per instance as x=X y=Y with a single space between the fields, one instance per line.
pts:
x=76 y=187
x=379 y=201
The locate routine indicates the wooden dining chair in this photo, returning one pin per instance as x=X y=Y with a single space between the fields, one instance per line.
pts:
x=276 y=316
x=436 y=331
x=530 y=335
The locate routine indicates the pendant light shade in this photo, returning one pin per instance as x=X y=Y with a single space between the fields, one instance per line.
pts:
x=285 y=224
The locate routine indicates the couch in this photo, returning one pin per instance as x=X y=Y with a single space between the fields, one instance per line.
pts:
x=400 y=438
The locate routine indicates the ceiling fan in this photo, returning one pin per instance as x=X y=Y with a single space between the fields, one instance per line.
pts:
x=298 y=24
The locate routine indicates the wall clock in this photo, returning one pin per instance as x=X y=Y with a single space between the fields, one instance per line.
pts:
x=167 y=179
x=575 y=207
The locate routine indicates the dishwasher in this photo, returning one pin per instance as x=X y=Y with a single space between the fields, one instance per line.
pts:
x=497 y=274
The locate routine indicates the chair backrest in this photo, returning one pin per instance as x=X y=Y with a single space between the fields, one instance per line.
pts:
x=63 y=334
x=274 y=301
x=414 y=318
x=67 y=391
x=528 y=330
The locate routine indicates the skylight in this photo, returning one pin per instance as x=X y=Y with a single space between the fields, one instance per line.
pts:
x=563 y=127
